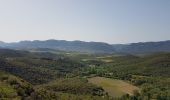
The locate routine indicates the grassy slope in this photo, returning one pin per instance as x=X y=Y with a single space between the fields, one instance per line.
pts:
x=13 y=88
x=115 y=88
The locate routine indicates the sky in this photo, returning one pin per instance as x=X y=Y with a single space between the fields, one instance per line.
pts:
x=111 y=21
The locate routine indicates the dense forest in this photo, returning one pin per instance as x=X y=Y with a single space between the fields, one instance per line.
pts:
x=49 y=74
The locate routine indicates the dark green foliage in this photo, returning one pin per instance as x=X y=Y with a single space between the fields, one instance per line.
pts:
x=43 y=94
x=12 y=53
x=74 y=86
x=152 y=65
x=37 y=69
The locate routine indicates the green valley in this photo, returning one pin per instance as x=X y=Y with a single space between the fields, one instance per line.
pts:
x=61 y=75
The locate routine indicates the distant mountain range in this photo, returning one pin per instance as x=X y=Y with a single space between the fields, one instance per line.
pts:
x=145 y=47
x=62 y=45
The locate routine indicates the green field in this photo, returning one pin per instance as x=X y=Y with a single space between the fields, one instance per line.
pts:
x=115 y=88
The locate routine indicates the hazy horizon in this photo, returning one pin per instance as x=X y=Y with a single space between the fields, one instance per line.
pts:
x=109 y=21
x=85 y=41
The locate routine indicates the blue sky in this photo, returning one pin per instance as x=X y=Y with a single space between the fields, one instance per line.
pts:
x=111 y=21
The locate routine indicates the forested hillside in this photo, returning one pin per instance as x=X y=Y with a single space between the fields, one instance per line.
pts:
x=150 y=73
x=45 y=74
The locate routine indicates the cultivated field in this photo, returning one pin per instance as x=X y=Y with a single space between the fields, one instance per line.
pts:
x=115 y=88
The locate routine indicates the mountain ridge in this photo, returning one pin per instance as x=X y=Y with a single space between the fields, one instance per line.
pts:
x=102 y=47
x=62 y=45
